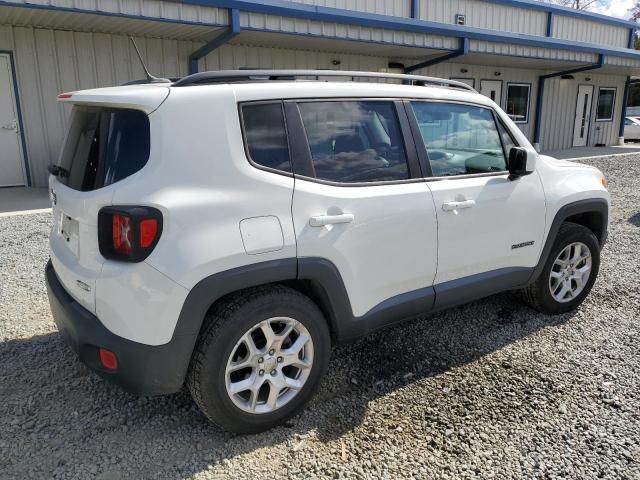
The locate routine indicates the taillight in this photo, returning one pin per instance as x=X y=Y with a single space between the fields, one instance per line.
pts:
x=128 y=233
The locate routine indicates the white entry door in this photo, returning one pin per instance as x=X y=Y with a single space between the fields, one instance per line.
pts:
x=492 y=89
x=11 y=162
x=583 y=114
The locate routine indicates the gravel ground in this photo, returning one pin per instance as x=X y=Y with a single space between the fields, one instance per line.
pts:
x=487 y=390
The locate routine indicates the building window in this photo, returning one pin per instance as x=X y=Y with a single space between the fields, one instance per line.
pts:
x=518 y=95
x=606 y=101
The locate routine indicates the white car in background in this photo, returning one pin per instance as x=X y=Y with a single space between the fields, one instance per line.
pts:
x=632 y=128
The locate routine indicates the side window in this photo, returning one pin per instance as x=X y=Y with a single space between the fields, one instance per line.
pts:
x=266 y=135
x=628 y=122
x=507 y=140
x=353 y=141
x=460 y=139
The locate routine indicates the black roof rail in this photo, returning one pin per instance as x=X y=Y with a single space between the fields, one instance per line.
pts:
x=233 y=76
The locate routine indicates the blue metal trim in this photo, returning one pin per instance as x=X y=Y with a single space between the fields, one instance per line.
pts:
x=347 y=17
x=415 y=8
x=464 y=49
x=632 y=38
x=540 y=96
x=16 y=92
x=373 y=20
x=232 y=31
x=625 y=100
x=549 y=24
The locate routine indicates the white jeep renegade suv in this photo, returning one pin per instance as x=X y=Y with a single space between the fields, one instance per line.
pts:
x=225 y=229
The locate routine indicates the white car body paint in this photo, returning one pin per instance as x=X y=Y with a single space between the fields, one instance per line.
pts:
x=220 y=211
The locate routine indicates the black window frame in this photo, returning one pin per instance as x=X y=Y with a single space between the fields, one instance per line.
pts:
x=245 y=141
x=506 y=101
x=303 y=164
x=613 y=104
x=422 y=149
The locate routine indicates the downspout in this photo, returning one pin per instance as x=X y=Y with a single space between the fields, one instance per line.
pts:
x=232 y=31
x=463 y=50
x=540 y=96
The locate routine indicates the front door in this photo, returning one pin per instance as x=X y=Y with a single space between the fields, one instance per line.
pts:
x=11 y=163
x=583 y=114
x=487 y=223
x=492 y=89
x=358 y=207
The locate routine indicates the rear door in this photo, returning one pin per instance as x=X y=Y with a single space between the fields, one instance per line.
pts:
x=488 y=225
x=360 y=201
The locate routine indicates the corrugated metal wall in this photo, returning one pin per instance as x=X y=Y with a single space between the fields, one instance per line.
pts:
x=559 y=109
x=488 y=15
x=351 y=32
x=578 y=30
x=148 y=8
x=482 y=46
x=397 y=8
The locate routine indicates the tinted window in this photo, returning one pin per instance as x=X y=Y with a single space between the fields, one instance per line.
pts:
x=355 y=141
x=104 y=146
x=518 y=102
x=460 y=139
x=606 y=100
x=266 y=135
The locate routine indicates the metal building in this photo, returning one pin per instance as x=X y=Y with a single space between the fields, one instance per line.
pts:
x=560 y=73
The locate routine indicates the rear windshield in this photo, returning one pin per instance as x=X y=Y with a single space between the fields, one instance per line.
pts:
x=103 y=146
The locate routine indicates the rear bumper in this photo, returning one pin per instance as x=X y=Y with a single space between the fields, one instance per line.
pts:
x=142 y=369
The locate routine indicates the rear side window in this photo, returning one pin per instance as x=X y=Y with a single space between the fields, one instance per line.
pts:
x=266 y=135
x=104 y=146
x=355 y=141
x=460 y=139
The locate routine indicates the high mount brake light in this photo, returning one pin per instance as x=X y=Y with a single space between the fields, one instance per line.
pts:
x=128 y=233
x=62 y=96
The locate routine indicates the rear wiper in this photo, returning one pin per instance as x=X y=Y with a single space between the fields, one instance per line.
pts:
x=58 y=171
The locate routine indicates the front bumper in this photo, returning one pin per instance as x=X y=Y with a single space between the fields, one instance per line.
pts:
x=142 y=369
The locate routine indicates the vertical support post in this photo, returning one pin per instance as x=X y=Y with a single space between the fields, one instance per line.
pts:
x=623 y=113
x=538 y=118
x=232 y=31
x=415 y=8
x=549 y=24
x=632 y=38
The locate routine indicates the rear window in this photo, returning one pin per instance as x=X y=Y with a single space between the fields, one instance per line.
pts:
x=104 y=146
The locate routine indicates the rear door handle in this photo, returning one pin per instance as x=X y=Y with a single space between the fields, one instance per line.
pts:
x=323 y=220
x=453 y=206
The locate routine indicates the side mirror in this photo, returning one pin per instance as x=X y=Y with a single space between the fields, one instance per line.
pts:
x=520 y=163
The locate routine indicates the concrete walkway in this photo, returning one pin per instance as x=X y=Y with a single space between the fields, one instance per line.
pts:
x=23 y=200
x=588 y=152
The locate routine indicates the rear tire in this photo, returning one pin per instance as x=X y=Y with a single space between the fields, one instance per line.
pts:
x=272 y=340
x=569 y=272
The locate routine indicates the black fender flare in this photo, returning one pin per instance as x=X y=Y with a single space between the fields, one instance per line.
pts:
x=591 y=205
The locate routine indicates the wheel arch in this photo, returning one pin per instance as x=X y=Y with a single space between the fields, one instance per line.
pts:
x=591 y=213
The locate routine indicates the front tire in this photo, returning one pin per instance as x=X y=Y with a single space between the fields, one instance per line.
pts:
x=569 y=272
x=260 y=358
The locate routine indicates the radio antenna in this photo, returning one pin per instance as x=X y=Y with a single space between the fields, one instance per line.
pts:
x=150 y=78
